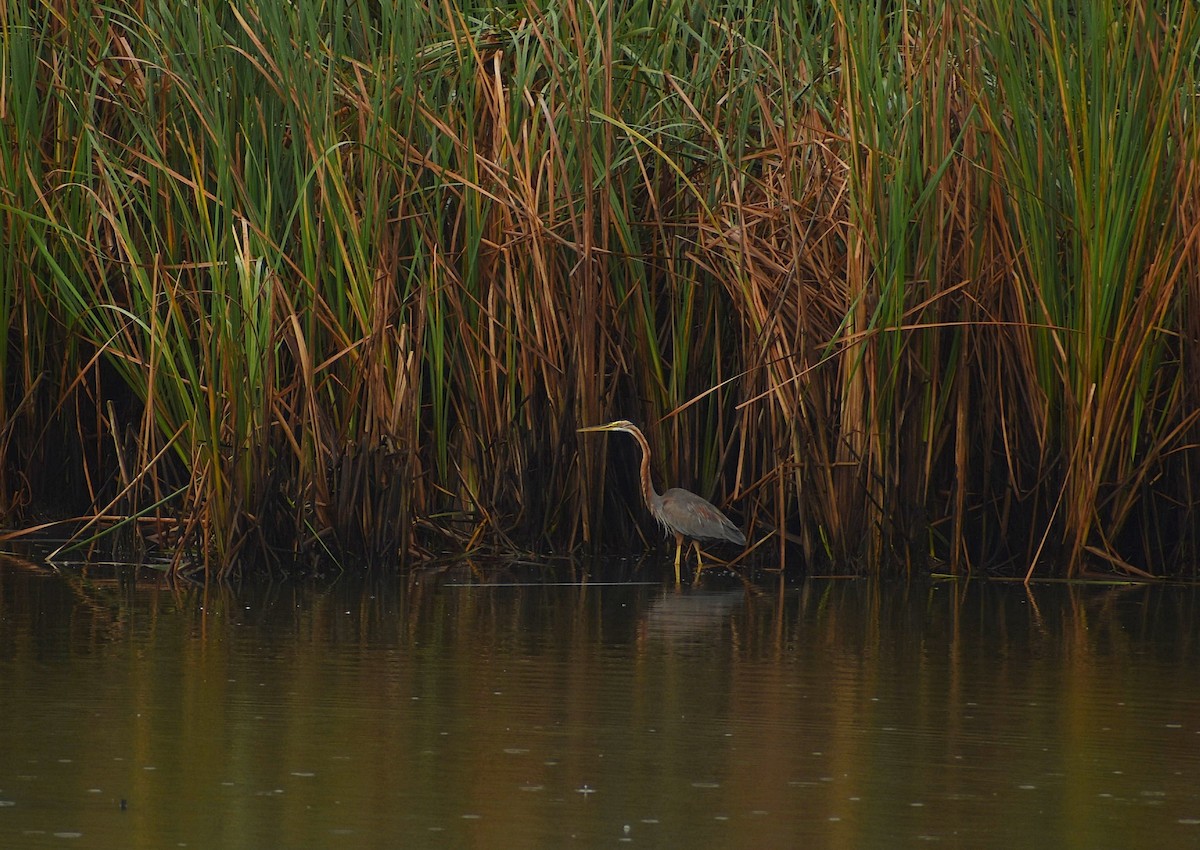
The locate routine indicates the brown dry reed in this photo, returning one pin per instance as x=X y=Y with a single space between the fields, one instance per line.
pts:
x=903 y=286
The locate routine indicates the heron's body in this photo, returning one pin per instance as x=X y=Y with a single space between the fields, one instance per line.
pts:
x=680 y=512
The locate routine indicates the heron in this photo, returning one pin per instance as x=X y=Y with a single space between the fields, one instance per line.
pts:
x=680 y=512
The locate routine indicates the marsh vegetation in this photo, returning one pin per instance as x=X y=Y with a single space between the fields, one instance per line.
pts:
x=899 y=285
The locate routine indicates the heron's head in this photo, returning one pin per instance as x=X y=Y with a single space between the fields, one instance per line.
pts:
x=619 y=425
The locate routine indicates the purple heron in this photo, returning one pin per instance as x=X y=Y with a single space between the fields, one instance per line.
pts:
x=682 y=513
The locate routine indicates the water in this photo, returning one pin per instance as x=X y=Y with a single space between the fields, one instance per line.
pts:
x=422 y=714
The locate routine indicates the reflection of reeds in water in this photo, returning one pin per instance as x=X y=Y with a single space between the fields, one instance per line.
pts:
x=504 y=701
x=915 y=281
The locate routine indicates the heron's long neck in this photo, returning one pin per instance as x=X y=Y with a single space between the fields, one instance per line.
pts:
x=648 y=492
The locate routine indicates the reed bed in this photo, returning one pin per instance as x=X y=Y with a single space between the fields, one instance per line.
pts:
x=903 y=286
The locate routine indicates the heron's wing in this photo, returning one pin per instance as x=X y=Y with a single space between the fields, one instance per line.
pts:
x=695 y=517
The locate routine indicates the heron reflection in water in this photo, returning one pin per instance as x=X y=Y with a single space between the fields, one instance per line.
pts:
x=680 y=512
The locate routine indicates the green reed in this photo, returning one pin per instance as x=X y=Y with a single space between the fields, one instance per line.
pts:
x=340 y=280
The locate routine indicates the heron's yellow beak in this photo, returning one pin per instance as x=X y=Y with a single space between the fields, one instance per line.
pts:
x=607 y=426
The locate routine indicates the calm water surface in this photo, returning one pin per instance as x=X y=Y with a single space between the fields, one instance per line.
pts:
x=414 y=714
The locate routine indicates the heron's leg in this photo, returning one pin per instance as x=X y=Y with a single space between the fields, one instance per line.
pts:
x=678 y=552
x=699 y=557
